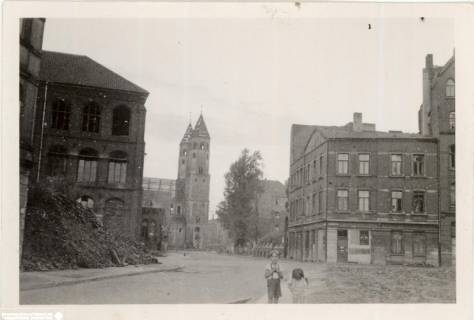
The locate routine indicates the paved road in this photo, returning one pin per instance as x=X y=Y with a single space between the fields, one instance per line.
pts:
x=205 y=278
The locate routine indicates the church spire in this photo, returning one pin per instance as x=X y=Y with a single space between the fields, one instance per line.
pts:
x=200 y=129
x=187 y=134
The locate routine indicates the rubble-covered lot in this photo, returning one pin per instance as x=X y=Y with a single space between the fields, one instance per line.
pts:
x=61 y=234
x=384 y=284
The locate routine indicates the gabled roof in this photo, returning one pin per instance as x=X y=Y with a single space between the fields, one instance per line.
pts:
x=301 y=135
x=81 y=70
x=200 y=129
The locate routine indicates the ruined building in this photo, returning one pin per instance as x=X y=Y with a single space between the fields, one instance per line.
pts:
x=89 y=133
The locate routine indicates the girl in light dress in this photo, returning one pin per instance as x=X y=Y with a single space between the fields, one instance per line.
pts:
x=298 y=285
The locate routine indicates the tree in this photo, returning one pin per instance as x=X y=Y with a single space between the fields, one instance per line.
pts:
x=238 y=212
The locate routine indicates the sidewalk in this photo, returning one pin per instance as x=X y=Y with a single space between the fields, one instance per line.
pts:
x=47 y=279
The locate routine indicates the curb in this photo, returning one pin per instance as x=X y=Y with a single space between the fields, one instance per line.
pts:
x=97 y=278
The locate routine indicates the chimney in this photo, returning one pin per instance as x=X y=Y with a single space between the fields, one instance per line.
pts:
x=357 y=122
x=429 y=61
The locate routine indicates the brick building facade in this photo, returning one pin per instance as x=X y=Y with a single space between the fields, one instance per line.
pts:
x=272 y=207
x=89 y=132
x=437 y=119
x=365 y=196
x=31 y=43
x=361 y=195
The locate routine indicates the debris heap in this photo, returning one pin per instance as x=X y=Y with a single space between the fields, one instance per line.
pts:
x=61 y=234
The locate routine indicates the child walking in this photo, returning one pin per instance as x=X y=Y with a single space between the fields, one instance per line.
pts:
x=298 y=285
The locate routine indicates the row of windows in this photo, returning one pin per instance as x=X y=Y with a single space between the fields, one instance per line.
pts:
x=87 y=165
x=397 y=246
x=88 y=202
x=304 y=174
x=91 y=117
x=308 y=206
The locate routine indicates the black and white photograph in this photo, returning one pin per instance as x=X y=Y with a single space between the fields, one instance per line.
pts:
x=271 y=158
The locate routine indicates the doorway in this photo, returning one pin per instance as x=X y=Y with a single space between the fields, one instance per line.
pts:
x=341 y=245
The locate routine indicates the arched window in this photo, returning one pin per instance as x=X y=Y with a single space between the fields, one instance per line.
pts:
x=450 y=88
x=452 y=120
x=452 y=156
x=87 y=166
x=86 y=202
x=117 y=167
x=60 y=114
x=121 y=121
x=91 y=117
x=57 y=160
x=202 y=146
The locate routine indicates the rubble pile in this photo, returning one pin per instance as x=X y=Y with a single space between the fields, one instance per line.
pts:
x=61 y=234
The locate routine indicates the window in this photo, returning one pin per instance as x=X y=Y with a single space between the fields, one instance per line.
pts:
x=418 y=202
x=397 y=243
x=121 y=121
x=453 y=194
x=419 y=245
x=320 y=166
x=314 y=202
x=320 y=202
x=200 y=170
x=314 y=170
x=452 y=120
x=57 y=160
x=452 y=156
x=87 y=167
x=450 y=88
x=60 y=114
x=91 y=117
x=22 y=100
x=117 y=167
x=202 y=146
x=179 y=210
x=364 y=237
x=418 y=165
x=396 y=165
x=397 y=201
x=194 y=155
x=342 y=197
x=144 y=230
x=364 y=200
x=364 y=163
x=184 y=153
x=342 y=163
x=453 y=229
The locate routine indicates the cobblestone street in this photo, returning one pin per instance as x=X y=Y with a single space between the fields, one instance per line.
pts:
x=211 y=278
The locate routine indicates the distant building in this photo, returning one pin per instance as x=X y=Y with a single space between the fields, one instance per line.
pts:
x=89 y=132
x=189 y=207
x=361 y=195
x=437 y=119
x=31 y=43
x=272 y=207
x=157 y=211
x=216 y=237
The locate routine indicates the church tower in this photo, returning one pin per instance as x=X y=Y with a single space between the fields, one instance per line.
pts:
x=192 y=194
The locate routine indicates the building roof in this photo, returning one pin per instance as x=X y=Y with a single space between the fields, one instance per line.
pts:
x=301 y=135
x=187 y=134
x=81 y=70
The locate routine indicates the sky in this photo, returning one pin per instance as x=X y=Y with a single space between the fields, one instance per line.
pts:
x=254 y=78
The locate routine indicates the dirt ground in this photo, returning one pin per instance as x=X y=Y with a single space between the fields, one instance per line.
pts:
x=384 y=284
